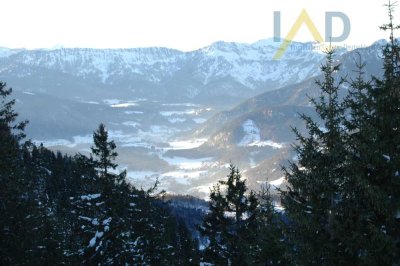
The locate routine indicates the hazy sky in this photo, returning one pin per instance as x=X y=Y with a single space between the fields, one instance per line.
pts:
x=180 y=24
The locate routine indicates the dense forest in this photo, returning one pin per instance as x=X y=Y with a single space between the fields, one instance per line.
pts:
x=341 y=205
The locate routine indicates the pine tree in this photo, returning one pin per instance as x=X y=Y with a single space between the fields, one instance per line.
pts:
x=264 y=237
x=154 y=240
x=104 y=150
x=117 y=223
x=17 y=219
x=228 y=225
x=243 y=208
x=185 y=246
x=47 y=229
x=215 y=228
x=124 y=225
x=83 y=207
x=108 y=230
x=312 y=196
x=372 y=197
x=386 y=148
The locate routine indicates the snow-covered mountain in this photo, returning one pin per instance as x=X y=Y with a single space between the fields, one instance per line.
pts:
x=105 y=65
x=223 y=71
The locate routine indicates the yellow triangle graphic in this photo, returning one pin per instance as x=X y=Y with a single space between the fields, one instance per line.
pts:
x=303 y=18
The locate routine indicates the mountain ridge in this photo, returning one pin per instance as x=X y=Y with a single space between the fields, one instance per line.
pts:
x=246 y=67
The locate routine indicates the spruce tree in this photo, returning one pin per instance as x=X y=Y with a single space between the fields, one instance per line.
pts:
x=264 y=238
x=104 y=150
x=229 y=222
x=215 y=229
x=372 y=197
x=312 y=196
x=154 y=238
x=242 y=207
x=185 y=246
x=17 y=208
x=107 y=207
x=48 y=228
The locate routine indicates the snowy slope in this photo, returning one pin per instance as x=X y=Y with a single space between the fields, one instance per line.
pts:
x=221 y=69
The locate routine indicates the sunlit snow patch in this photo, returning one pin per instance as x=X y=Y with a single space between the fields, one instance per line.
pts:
x=252 y=133
x=187 y=144
x=123 y=105
x=278 y=182
x=185 y=112
x=186 y=163
x=116 y=103
x=252 y=137
x=266 y=143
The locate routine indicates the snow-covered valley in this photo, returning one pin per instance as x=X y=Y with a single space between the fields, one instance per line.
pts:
x=181 y=117
x=147 y=139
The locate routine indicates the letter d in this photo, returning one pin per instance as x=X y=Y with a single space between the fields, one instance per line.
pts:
x=329 y=25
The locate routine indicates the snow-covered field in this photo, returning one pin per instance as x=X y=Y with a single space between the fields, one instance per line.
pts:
x=187 y=144
x=135 y=136
x=145 y=147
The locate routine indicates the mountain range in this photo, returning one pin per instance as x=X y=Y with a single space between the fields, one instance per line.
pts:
x=228 y=102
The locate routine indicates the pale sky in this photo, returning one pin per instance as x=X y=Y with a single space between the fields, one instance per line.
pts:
x=180 y=24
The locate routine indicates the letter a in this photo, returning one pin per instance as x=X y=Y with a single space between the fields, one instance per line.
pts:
x=303 y=18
